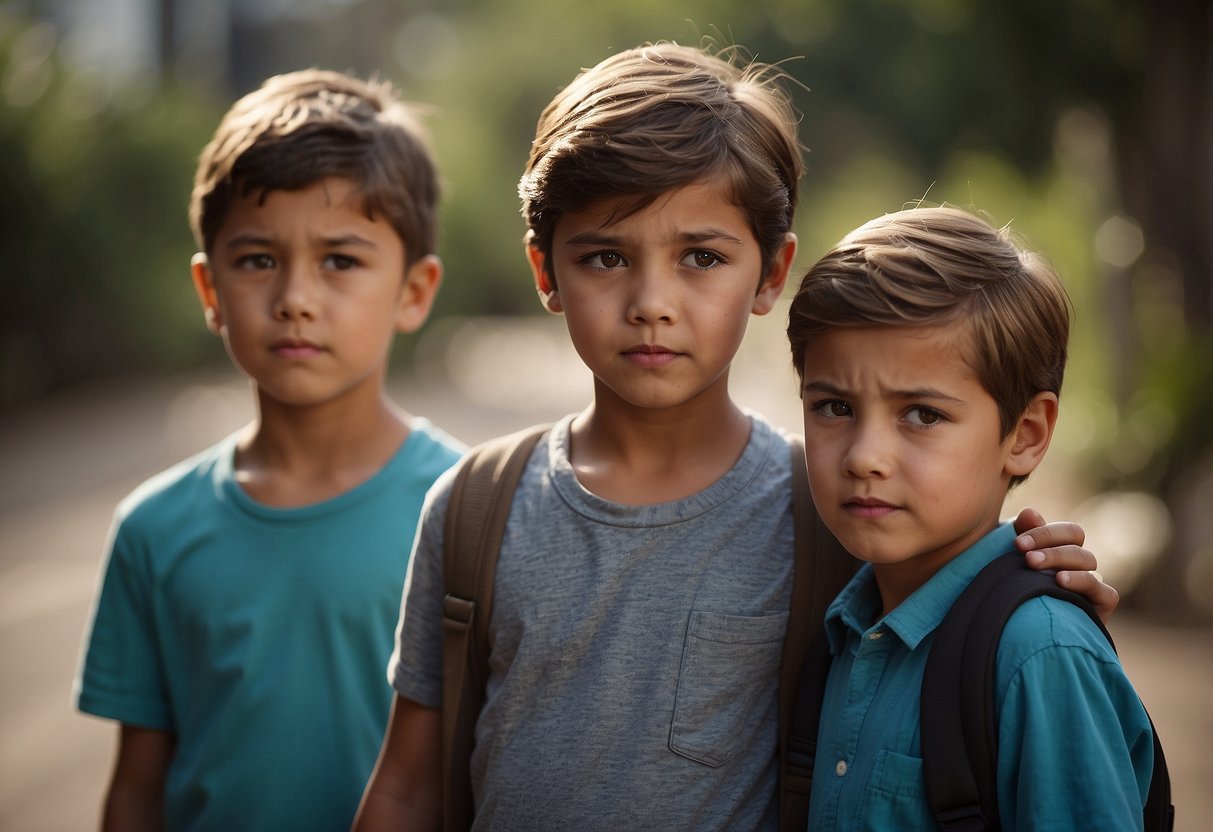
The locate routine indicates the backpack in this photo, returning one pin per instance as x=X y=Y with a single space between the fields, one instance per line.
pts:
x=478 y=508
x=959 y=725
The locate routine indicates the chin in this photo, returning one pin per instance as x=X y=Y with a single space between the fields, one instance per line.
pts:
x=876 y=552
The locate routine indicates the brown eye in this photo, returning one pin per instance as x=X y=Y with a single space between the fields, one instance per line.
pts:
x=702 y=259
x=833 y=408
x=256 y=262
x=603 y=260
x=924 y=416
x=340 y=262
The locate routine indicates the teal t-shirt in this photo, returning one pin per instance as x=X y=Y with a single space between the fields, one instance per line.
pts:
x=257 y=635
x=1075 y=750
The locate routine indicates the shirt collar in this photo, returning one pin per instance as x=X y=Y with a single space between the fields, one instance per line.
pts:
x=856 y=607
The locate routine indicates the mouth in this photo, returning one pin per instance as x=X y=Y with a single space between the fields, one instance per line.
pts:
x=650 y=355
x=295 y=348
x=868 y=508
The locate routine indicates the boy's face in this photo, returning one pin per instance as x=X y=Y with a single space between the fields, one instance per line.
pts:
x=657 y=302
x=906 y=460
x=307 y=292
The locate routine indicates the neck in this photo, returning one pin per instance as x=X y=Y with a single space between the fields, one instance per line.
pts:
x=898 y=581
x=652 y=455
x=292 y=456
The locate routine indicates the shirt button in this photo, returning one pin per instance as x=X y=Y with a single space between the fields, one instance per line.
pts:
x=840 y=768
x=874 y=636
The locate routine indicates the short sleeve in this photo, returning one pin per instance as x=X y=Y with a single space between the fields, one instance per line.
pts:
x=1075 y=744
x=121 y=672
x=415 y=668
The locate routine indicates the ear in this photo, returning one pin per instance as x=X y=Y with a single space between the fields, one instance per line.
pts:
x=776 y=277
x=421 y=283
x=1032 y=435
x=204 y=287
x=549 y=296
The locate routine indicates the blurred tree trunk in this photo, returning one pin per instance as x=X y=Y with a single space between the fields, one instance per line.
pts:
x=1169 y=185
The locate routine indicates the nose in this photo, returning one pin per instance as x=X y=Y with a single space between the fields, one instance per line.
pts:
x=295 y=298
x=652 y=297
x=870 y=451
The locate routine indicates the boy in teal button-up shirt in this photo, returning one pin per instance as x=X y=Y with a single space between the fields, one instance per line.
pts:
x=931 y=351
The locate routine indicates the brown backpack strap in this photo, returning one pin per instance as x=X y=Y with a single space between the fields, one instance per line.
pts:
x=822 y=567
x=476 y=515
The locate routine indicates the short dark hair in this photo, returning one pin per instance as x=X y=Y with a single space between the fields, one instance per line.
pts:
x=659 y=117
x=936 y=265
x=301 y=127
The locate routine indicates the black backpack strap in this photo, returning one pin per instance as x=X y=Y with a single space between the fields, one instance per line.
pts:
x=958 y=716
x=476 y=515
x=1159 y=813
x=801 y=742
x=821 y=569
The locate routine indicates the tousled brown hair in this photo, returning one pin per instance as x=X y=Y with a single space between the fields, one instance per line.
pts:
x=658 y=117
x=302 y=127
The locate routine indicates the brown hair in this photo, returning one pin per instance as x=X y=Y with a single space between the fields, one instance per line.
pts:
x=301 y=127
x=656 y=118
x=931 y=266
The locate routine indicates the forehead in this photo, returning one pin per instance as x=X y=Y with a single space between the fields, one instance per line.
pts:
x=891 y=357
x=326 y=201
x=704 y=206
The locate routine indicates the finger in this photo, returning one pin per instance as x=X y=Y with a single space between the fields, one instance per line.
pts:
x=1053 y=535
x=1062 y=558
x=1027 y=520
x=1090 y=585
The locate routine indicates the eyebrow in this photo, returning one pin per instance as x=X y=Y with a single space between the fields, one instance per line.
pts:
x=348 y=240
x=912 y=393
x=341 y=240
x=602 y=238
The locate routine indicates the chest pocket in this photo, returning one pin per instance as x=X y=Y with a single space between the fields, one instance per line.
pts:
x=726 y=685
x=895 y=797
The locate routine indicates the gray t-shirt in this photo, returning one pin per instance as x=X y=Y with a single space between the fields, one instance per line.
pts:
x=635 y=649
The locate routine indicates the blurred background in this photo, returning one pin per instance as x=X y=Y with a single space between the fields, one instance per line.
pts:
x=1085 y=124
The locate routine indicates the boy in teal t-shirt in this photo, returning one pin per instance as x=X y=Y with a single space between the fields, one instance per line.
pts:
x=931 y=351
x=247 y=602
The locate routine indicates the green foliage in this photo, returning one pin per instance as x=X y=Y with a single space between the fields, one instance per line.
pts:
x=92 y=235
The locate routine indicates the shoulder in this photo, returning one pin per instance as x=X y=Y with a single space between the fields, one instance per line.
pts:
x=762 y=425
x=490 y=452
x=1072 y=730
x=776 y=444
x=425 y=455
x=548 y=445
x=780 y=449
x=177 y=504
x=184 y=486
x=1055 y=666
x=433 y=442
x=1046 y=623
x=1051 y=647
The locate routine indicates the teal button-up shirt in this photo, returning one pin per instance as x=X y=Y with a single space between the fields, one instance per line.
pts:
x=1075 y=748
